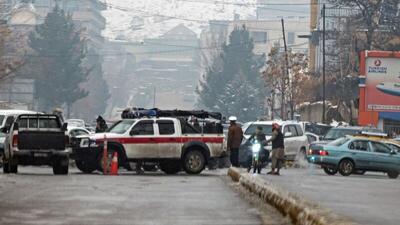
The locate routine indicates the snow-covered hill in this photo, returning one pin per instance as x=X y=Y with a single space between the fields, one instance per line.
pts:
x=137 y=19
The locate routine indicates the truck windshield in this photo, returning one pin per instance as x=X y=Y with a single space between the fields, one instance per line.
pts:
x=266 y=128
x=121 y=127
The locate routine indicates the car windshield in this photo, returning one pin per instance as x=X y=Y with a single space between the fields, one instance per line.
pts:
x=336 y=133
x=1 y=119
x=121 y=126
x=317 y=129
x=338 y=142
x=266 y=128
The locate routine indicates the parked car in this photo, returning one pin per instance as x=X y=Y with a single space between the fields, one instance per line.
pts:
x=311 y=137
x=76 y=123
x=7 y=116
x=2 y=139
x=77 y=131
x=39 y=139
x=349 y=154
x=296 y=141
x=170 y=142
x=341 y=131
x=319 y=129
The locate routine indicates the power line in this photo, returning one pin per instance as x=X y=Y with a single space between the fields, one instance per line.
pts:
x=214 y=22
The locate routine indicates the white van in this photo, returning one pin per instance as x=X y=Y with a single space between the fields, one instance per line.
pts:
x=7 y=116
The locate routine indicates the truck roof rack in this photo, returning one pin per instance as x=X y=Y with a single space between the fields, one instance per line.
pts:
x=134 y=113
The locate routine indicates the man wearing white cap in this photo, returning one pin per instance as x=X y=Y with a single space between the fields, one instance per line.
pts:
x=235 y=136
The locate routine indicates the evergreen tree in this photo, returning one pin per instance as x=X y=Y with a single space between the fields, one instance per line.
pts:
x=59 y=50
x=96 y=102
x=233 y=85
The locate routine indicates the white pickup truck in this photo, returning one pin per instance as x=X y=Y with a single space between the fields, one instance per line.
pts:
x=170 y=142
x=296 y=141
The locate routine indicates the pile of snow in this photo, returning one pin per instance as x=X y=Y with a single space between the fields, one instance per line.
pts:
x=300 y=210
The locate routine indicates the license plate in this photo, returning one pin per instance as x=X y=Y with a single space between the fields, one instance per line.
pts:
x=40 y=155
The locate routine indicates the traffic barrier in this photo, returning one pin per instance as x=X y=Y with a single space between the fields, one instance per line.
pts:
x=299 y=210
x=114 y=164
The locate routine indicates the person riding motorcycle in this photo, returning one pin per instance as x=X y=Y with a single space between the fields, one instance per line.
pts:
x=259 y=137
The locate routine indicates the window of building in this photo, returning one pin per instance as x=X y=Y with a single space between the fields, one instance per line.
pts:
x=259 y=36
x=290 y=38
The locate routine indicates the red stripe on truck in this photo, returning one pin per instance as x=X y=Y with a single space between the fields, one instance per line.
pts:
x=176 y=140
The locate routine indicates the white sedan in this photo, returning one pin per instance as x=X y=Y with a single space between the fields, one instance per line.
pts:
x=77 y=131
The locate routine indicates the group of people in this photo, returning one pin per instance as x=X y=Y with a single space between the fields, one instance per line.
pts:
x=235 y=138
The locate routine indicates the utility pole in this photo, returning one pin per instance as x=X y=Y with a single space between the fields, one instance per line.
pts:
x=287 y=73
x=323 y=64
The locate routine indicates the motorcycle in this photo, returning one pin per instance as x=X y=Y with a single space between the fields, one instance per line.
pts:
x=256 y=157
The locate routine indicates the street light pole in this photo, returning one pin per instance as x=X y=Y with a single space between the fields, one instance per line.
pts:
x=287 y=72
x=323 y=64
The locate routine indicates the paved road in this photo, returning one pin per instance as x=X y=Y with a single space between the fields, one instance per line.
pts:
x=369 y=199
x=35 y=196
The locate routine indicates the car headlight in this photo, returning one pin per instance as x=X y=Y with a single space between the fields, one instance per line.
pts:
x=256 y=147
x=88 y=142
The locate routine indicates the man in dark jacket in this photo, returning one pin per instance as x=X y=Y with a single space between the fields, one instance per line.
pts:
x=101 y=125
x=258 y=136
x=235 y=136
x=278 y=149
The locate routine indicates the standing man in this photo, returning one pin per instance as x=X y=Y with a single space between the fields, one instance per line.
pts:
x=278 y=149
x=235 y=136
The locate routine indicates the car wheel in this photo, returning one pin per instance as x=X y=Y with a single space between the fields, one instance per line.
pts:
x=346 y=167
x=359 y=172
x=6 y=167
x=85 y=167
x=194 y=162
x=393 y=174
x=171 y=166
x=330 y=171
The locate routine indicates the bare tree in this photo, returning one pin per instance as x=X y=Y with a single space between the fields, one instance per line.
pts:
x=378 y=20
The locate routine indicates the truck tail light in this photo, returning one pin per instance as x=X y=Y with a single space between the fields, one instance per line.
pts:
x=15 y=140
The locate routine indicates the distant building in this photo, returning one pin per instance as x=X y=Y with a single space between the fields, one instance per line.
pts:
x=23 y=15
x=167 y=70
x=276 y=9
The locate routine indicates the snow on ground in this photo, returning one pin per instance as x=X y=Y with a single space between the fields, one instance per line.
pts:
x=138 y=19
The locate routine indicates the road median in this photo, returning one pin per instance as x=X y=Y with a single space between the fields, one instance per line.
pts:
x=298 y=209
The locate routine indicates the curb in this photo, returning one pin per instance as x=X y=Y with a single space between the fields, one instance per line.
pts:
x=300 y=211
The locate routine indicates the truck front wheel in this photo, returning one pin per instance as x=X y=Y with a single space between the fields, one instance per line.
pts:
x=85 y=167
x=170 y=166
x=6 y=167
x=60 y=166
x=13 y=165
x=194 y=161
